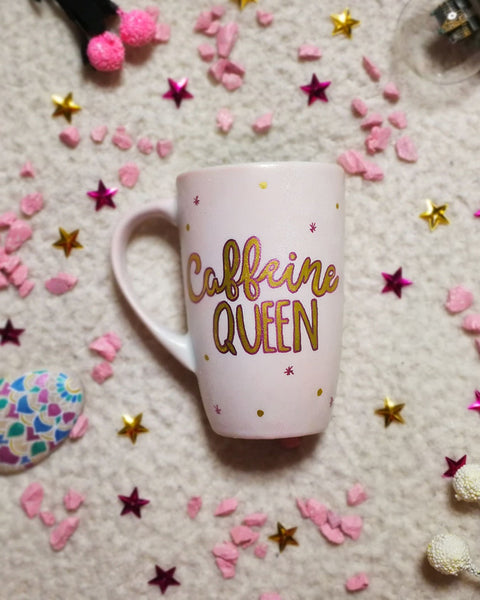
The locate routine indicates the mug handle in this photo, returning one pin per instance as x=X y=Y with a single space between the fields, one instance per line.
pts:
x=178 y=344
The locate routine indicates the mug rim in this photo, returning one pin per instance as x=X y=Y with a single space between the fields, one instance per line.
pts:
x=262 y=165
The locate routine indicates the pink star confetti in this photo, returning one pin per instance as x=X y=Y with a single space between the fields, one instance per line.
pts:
x=178 y=91
x=316 y=90
x=395 y=282
x=103 y=196
x=476 y=404
x=454 y=465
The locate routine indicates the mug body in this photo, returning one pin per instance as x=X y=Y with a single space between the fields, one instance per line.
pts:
x=262 y=265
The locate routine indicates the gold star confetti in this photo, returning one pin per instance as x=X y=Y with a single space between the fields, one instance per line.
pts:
x=284 y=537
x=343 y=23
x=243 y=3
x=132 y=427
x=65 y=106
x=67 y=241
x=391 y=412
x=435 y=215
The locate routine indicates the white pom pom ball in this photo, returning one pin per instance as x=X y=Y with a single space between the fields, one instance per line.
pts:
x=466 y=483
x=449 y=554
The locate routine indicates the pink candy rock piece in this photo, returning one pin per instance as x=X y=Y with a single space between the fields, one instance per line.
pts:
x=193 y=506
x=105 y=52
x=371 y=120
x=471 y=323
x=458 y=299
x=61 y=284
x=218 y=69
x=270 y=596
x=357 y=582
x=352 y=526
x=204 y=20
x=8 y=263
x=309 y=52
x=102 y=346
x=4 y=283
x=356 y=495
x=213 y=29
x=98 y=133
x=31 y=499
x=129 y=174
x=243 y=536
x=226 y=507
x=372 y=70
x=406 y=149
x=317 y=511
x=372 y=172
x=255 y=520
x=302 y=507
x=19 y=275
x=137 y=27
x=226 y=568
x=164 y=148
x=80 y=428
x=113 y=339
x=7 y=218
x=73 y=500
x=359 y=107
x=226 y=551
x=226 y=38
x=206 y=52
x=47 y=518
x=70 y=136
x=27 y=170
x=145 y=146
x=122 y=139
x=63 y=532
x=263 y=123
x=26 y=288
x=19 y=232
x=390 y=92
x=162 y=33
x=101 y=372
x=31 y=203
x=352 y=162
x=260 y=550
x=264 y=18
x=224 y=120
x=332 y=534
x=378 y=139
x=333 y=519
x=398 y=119
x=231 y=81
x=217 y=12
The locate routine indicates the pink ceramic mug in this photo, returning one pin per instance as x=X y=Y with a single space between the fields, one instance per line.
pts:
x=262 y=264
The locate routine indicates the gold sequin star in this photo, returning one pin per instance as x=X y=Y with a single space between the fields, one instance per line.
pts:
x=435 y=215
x=65 y=106
x=343 y=23
x=67 y=241
x=284 y=537
x=132 y=427
x=390 y=412
x=243 y=3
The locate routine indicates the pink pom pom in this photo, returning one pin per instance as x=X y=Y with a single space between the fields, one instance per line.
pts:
x=106 y=52
x=137 y=27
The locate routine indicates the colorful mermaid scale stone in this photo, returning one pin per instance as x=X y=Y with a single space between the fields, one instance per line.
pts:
x=37 y=412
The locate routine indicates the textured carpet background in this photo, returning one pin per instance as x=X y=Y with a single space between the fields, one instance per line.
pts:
x=409 y=349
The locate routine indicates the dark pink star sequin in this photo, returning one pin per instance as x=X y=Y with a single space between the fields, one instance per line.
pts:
x=164 y=579
x=132 y=503
x=454 y=465
x=316 y=90
x=103 y=196
x=395 y=282
x=9 y=334
x=178 y=91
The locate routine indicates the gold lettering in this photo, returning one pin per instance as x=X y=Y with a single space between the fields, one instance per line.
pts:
x=247 y=346
x=311 y=328
x=280 y=321
x=266 y=321
x=227 y=344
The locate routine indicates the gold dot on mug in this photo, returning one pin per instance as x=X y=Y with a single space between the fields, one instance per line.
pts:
x=319 y=392
x=263 y=185
x=260 y=412
x=187 y=226
x=206 y=357
x=337 y=205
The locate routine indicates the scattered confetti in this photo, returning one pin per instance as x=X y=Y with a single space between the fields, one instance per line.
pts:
x=224 y=120
x=458 y=299
x=395 y=282
x=332 y=534
x=390 y=412
x=316 y=511
x=372 y=70
x=378 y=139
x=31 y=499
x=206 y=52
x=264 y=18
x=343 y=23
x=70 y=136
x=406 y=149
x=398 y=119
x=47 y=518
x=63 y=532
x=193 y=507
x=121 y=139
x=372 y=120
x=17 y=235
x=61 y=284
x=133 y=503
x=101 y=372
x=226 y=567
x=226 y=37
x=145 y=146
x=333 y=519
x=9 y=334
x=435 y=215
x=31 y=204
x=226 y=551
x=352 y=162
x=359 y=107
x=284 y=537
x=103 y=196
x=67 y=241
x=98 y=134
x=129 y=174
x=27 y=170
x=164 y=579
x=471 y=323
x=263 y=123
x=178 y=91
x=309 y=52
x=164 y=148
x=255 y=520
x=231 y=81
x=80 y=427
x=132 y=427
x=357 y=582
x=316 y=90
x=390 y=92
x=25 y=289
x=104 y=347
x=352 y=525
x=19 y=275
x=356 y=495
x=289 y=370
x=65 y=106
x=454 y=465
x=204 y=20
x=373 y=172
x=243 y=536
x=226 y=507
x=73 y=500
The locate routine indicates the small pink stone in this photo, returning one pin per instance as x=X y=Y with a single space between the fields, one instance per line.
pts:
x=226 y=507
x=206 y=52
x=317 y=512
x=333 y=519
x=234 y=67
x=31 y=499
x=25 y=289
x=226 y=37
x=19 y=232
x=27 y=170
x=302 y=507
x=260 y=550
x=204 y=20
x=218 y=69
x=8 y=263
x=73 y=500
x=61 y=284
x=357 y=582
x=101 y=372
x=243 y=536
x=359 y=107
x=227 y=568
x=398 y=119
x=458 y=299
x=114 y=340
x=390 y=92
x=224 y=120
x=98 y=134
x=309 y=52
x=4 y=283
x=373 y=172
x=70 y=136
x=7 y=219
x=406 y=149
x=19 y=275
x=31 y=204
x=356 y=495
x=122 y=139
x=193 y=506
x=372 y=70
x=352 y=162
x=227 y=551
x=129 y=174
x=471 y=323
x=213 y=29
x=217 y=12
x=263 y=123
x=164 y=148
x=270 y=596
x=352 y=526
x=231 y=81
x=47 y=518
x=378 y=139
x=255 y=520
x=162 y=33
x=332 y=534
x=371 y=120
x=103 y=348
x=145 y=146
x=63 y=532
x=80 y=428
x=264 y=18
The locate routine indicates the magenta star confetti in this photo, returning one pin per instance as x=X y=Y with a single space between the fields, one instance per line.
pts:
x=395 y=282
x=289 y=370
x=9 y=334
x=164 y=579
x=132 y=503
x=316 y=90
x=454 y=465
x=475 y=405
x=103 y=196
x=178 y=91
